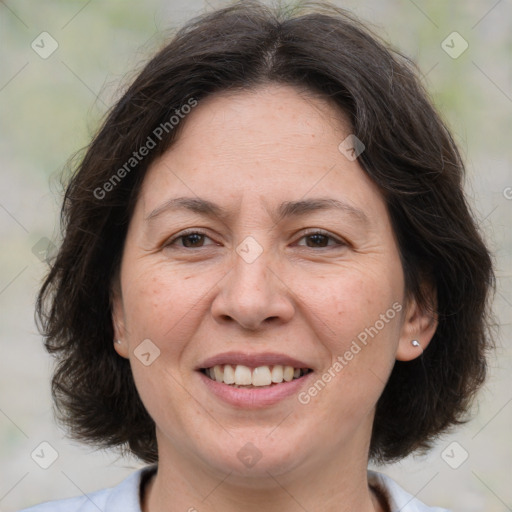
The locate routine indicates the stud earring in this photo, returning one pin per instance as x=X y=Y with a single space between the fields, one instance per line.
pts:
x=415 y=343
x=118 y=342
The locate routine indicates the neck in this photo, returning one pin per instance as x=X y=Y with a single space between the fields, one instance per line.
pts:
x=338 y=484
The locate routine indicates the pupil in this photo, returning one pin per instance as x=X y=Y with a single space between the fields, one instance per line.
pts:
x=319 y=239
x=197 y=236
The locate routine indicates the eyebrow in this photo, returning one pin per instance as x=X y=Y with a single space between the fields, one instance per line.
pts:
x=286 y=209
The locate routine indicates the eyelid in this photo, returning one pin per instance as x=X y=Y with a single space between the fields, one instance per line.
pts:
x=183 y=234
x=319 y=231
x=307 y=232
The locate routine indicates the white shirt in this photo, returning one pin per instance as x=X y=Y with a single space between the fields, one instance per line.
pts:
x=125 y=497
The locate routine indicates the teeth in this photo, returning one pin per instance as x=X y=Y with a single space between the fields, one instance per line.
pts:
x=277 y=373
x=288 y=373
x=261 y=376
x=218 y=373
x=229 y=374
x=240 y=375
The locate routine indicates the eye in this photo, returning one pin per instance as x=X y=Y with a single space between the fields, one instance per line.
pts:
x=189 y=239
x=195 y=238
x=321 y=239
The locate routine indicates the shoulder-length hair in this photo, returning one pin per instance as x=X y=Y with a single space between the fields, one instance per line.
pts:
x=409 y=154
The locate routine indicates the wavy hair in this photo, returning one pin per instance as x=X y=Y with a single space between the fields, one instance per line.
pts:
x=410 y=155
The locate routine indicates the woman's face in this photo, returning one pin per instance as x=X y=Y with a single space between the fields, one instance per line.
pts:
x=290 y=260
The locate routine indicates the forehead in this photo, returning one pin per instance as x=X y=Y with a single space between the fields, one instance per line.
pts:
x=263 y=143
x=258 y=115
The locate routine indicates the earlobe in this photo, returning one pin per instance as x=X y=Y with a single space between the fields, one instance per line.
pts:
x=120 y=344
x=418 y=329
x=407 y=355
x=121 y=348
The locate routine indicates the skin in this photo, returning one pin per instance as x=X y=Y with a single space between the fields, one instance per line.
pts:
x=248 y=152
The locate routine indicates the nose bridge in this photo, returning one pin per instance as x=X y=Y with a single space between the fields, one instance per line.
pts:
x=251 y=264
x=250 y=282
x=251 y=292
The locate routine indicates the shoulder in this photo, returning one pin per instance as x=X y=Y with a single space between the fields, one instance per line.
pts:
x=121 y=498
x=92 y=501
x=398 y=499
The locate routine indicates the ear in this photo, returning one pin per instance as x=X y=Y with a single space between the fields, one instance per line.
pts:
x=118 y=320
x=419 y=323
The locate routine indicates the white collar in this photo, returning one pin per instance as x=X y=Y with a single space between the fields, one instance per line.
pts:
x=398 y=499
x=125 y=497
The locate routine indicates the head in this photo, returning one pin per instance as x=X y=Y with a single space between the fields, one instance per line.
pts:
x=336 y=261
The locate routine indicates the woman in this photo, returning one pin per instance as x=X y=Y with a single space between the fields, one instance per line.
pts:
x=269 y=273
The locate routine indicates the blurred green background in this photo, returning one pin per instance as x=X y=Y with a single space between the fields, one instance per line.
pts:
x=50 y=107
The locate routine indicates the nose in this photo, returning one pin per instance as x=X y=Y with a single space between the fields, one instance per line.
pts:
x=253 y=295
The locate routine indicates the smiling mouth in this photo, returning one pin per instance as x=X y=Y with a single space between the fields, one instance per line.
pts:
x=241 y=376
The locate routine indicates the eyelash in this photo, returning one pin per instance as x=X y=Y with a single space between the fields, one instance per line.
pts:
x=313 y=232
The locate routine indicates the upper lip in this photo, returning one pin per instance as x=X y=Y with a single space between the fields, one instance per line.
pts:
x=252 y=360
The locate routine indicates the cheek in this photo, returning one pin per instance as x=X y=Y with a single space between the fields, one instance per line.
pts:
x=355 y=299
x=360 y=316
x=159 y=302
x=159 y=308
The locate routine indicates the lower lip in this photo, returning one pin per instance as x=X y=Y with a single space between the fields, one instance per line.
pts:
x=254 y=398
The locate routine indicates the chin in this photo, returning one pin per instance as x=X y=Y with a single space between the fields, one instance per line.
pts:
x=253 y=457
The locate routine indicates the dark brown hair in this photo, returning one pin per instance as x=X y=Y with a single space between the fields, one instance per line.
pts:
x=409 y=154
